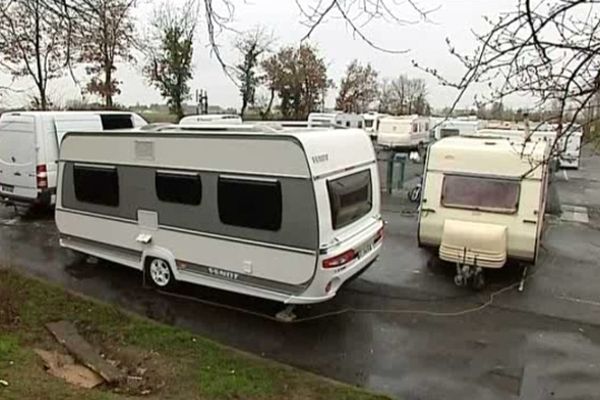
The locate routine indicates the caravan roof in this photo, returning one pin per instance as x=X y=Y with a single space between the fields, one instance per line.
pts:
x=491 y=156
x=321 y=147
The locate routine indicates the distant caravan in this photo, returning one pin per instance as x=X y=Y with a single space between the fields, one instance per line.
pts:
x=336 y=119
x=483 y=203
x=287 y=216
x=406 y=133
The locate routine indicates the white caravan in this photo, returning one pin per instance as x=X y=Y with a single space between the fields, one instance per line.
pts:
x=230 y=119
x=372 y=123
x=570 y=149
x=288 y=217
x=483 y=202
x=405 y=132
x=456 y=127
x=29 y=144
x=567 y=151
x=335 y=119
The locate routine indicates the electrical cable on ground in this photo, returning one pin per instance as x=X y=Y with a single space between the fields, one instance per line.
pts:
x=353 y=310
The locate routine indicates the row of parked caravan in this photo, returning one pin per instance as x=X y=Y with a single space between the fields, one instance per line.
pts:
x=416 y=132
x=272 y=210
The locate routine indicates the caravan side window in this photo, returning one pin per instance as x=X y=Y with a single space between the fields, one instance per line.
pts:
x=96 y=185
x=250 y=203
x=182 y=188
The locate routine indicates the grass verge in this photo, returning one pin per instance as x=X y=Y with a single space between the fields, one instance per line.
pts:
x=175 y=364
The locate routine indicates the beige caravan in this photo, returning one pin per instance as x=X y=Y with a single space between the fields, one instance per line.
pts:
x=483 y=203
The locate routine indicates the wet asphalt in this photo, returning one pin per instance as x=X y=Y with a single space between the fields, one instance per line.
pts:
x=402 y=328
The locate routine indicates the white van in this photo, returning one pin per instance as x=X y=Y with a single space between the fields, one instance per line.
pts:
x=230 y=119
x=405 y=132
x=29 y=149
x=483 y=202
x=335 y=119
x=288 y=216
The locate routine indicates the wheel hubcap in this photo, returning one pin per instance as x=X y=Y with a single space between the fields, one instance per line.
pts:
x=160 y=273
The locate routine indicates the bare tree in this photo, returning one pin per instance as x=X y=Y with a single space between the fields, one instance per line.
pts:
x=358 y=88
x=219 y=17
x=546 y=51
x=358 y=13
x=404 y=96
x=251 y=46
x=106 y=35
x=33 y=44
x=169 y=66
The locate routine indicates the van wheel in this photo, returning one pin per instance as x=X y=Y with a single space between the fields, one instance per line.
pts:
x=159 y=274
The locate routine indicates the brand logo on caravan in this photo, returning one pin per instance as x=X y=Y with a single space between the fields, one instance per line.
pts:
x=224 y=274
x=320 y=158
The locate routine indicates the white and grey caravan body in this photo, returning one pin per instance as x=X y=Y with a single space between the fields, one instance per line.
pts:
x=229 y=119
x=335 y=119
x=287 y=216
x=29 y=144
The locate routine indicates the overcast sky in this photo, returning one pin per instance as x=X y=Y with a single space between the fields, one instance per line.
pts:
x=425 y=41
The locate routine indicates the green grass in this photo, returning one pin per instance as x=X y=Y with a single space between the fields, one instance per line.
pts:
x=189 y=366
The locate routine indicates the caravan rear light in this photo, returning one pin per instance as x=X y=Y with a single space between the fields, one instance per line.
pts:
x=41 y=177
x=340 y=260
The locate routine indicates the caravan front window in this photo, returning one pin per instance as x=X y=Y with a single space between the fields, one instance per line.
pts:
x=481 y=193
x=350 y=198
x=250 y=203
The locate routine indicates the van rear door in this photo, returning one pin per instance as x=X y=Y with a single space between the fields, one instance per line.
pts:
x=18 y=157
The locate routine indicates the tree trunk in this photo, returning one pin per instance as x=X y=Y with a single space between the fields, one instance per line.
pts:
x=244 y=105
x=108 y=86
x=38 y=59
x=267 y=112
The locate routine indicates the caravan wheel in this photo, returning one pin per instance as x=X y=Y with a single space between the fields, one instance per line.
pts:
x=159 y=274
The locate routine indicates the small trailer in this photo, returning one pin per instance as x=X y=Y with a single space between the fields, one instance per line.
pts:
x=483 y=203
x=404 y=133
x=286 y=216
